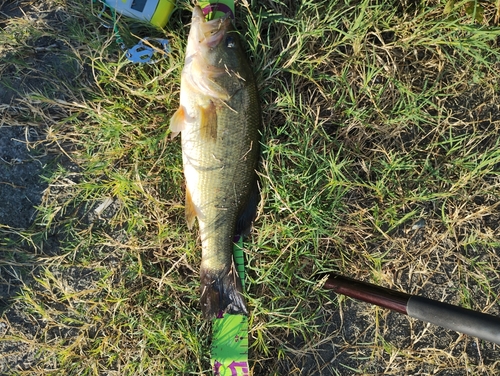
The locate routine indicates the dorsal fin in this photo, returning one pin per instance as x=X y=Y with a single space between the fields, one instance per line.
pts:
x=249 y=211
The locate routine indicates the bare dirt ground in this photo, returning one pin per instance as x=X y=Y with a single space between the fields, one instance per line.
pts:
x=25 y=160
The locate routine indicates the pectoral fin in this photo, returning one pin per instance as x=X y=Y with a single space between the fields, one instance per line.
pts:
x=177 y=122
x=208 y=122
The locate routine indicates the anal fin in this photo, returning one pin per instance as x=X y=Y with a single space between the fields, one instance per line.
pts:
x=191 y=211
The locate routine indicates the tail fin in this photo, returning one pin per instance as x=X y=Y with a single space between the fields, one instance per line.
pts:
x=221 y=292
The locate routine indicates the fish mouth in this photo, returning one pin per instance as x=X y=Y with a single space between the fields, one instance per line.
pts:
x=211 y=32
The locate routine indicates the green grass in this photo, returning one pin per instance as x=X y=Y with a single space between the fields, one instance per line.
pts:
x=377 y=116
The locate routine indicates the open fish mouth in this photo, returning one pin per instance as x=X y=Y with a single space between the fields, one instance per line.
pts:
x=211 y=32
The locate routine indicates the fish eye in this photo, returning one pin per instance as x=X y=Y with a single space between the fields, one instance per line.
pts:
x=230 y=43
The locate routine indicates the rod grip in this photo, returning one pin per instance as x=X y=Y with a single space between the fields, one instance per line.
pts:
x=460 y=319
x=367 y=292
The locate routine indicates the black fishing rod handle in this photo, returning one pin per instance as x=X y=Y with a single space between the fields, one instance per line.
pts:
x=460 y=319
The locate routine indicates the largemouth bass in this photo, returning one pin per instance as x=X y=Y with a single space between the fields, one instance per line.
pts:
x=219 y=119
